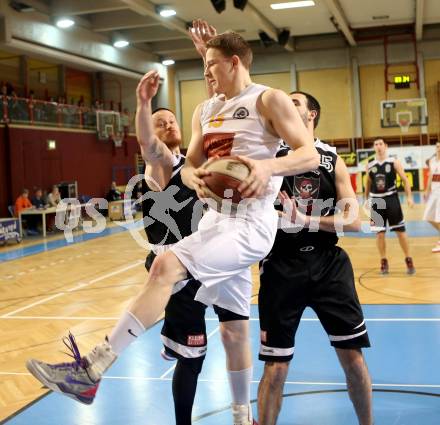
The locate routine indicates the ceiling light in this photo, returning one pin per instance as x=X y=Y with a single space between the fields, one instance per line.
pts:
x=168 y=62
x=65 y=23
x=120 y=43
x=292 y=4
x=167 y=12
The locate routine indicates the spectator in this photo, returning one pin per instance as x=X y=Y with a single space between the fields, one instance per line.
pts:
x=23 y=203
x=38 y=200
x=54 y=197
x=113 y=194
x=137 y=194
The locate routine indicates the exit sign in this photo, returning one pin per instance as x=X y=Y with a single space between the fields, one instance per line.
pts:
x=402 y=81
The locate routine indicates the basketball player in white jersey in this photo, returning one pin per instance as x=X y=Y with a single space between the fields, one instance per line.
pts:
x=432 y=194
x=381 y=185
x=248 y=120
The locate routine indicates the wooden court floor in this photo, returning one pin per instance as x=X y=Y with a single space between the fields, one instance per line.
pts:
x=85 y=286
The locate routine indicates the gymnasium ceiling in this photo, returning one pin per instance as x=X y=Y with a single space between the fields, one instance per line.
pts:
x=153 y=37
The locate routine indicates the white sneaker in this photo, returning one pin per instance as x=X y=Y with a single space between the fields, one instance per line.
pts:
x=78 y=379
x=242 y=414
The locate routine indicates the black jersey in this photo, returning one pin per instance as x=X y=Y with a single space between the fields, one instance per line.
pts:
x=382 y=177
x=170 y=214
x=315 y=193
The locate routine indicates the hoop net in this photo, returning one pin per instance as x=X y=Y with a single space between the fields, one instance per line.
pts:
x=117 y=140
x=404 y=119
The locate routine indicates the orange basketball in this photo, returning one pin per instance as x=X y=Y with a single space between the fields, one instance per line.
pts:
x=226 y=175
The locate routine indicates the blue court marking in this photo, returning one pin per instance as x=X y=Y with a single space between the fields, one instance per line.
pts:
x=403 y=365
x=59 y=243
x=417 y=197
x=414 y=229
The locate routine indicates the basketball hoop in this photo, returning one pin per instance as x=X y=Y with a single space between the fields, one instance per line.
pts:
x=404 y=119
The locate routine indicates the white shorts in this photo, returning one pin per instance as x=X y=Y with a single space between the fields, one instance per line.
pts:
x=220 y=254
x=432 y=208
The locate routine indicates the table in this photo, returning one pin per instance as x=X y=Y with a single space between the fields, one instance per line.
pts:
x=37 y=211
x=116 y=209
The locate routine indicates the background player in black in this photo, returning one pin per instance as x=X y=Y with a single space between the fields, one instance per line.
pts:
x=306 y=268
x=381 y=184
x=183 y=331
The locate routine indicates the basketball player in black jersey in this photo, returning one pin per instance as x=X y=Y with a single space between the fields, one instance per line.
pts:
x=381 y=185
x=168 y=207
x=307 y=269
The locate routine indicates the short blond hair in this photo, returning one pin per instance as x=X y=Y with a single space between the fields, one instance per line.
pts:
x=230 y=44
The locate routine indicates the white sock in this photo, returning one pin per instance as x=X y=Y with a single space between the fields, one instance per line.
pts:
x=240 y=384
x=128 y=328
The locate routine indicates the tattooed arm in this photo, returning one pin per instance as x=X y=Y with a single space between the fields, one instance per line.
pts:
x=155 y=153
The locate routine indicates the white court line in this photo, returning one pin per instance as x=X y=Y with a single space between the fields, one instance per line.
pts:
x=175 y=364
x=376 y=319
x=75 y=288
x=342 y=384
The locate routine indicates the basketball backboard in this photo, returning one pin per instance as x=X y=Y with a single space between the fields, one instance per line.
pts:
x=108 y=124
x=403 y=113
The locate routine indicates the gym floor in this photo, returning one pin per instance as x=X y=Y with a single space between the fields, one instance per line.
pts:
x=49 y=288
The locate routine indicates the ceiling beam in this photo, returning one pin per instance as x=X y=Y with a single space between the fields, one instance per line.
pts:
x=146 y=8
x=150 y=35
x=123 y=19
x=39 y=6
x=420 y=6
x=264 y=24
x=84 y=7
x=165 y=47
x=338 y=14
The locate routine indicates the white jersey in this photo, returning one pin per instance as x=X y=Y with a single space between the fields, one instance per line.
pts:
x=235 y=127
x=434 y=171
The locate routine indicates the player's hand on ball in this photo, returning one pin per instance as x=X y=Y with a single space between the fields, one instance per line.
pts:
x=290 y=210
x=147 y=87
x=197 y=181
x=254 y=186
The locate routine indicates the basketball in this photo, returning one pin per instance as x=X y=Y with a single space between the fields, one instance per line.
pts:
x=226 y=175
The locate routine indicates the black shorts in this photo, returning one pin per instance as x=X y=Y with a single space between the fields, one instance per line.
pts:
x=321 y=279
x=183 y=332
x=387 y=210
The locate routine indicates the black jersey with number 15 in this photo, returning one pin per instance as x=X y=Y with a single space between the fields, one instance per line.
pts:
x=315 y=194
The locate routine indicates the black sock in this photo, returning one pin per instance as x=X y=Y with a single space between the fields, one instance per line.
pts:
x=184 y=388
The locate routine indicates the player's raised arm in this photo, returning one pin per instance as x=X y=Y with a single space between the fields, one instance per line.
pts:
x=153 y=150
x=277 y=108
x=201 y=32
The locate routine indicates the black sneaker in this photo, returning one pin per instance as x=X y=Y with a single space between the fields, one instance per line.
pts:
x=384 y=268
x=410 y=269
